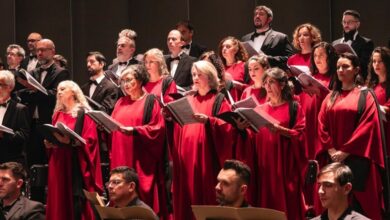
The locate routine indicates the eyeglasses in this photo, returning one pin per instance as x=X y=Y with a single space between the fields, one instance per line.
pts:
x=127 y=80
x=32 y=40
x=114 y=183
x=43 y=49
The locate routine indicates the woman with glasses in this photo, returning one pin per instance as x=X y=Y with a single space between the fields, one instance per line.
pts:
x=349 y=131
x=76 y=166
x=139 y=142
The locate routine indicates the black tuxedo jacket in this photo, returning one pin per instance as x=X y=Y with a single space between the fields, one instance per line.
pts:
x=111 y=70
x=363 y=48
x=276 y=46
x=25 y=61
x=197 y=50
x=106 y=94
x=182 y=77
x=25 y=209
x=13 y=146
x=45 y=103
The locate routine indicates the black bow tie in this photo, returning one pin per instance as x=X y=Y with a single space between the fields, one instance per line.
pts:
x=349 y=36
x=33 y=56
x=186 y=46
x=255 y=34
x=174 y=58
x=122 y=63
x=93 y=82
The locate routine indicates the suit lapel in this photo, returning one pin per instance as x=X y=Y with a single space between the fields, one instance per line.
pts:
x=267 y=41
x=180 y=65
x=99 y=89
x=50 y=75
x=18 y=205
x=10 y=110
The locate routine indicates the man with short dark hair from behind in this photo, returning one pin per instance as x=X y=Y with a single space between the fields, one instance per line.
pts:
x=232 y=186
x=335 y=186
x=14 y=205
x=123 y=188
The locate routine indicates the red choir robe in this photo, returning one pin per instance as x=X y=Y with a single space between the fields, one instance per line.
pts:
x=380 y=92
x=142 y=150
x=299 y=59
x=198 y=153
x=59 y=198
x=312 y=106
x=237 y=71
x=246 y=148
x=280 y=163
x=338 y=128
x=156 y=87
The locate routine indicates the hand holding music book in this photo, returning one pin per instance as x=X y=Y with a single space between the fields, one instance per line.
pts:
x=311 y=84
x=93 y=103
x=181 y=111
x=6 y=130
x=255 y=116
x=205 y=212
x=109 y=124
x=48 y=131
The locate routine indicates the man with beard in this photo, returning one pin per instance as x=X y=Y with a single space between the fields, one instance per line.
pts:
x=124 y=57
x=41 y=106
x=361 y=45
x=265 y=40
x=30 y=62
x=232 y=186
x=102 y=91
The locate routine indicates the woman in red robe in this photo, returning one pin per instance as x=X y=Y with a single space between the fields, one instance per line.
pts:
x=139 y=143
x=159 y=78
x=350 y=133
x=76 y=166
x=200 y=149
x=379 y=80
x=280 y=149
x=234 y=56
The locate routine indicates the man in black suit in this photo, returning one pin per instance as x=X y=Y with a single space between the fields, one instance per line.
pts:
x=103 y=93
x=265 y=40
x=124 y=57
x=15 y=116
x=187 y=32
x=14 y=205
x=179 y=63
x=361 y=45
x=30 y=62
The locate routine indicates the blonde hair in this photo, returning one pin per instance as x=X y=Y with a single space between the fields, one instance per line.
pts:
x=79 y=98
x=159 y=56
x=8 y=77
x=209 y=70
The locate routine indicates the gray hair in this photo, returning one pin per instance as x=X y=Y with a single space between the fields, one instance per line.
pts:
x=21 y=52
x=81 y=101
x=8 y=77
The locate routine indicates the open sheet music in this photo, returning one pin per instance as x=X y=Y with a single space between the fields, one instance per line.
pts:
x=33 y=82
x=48 y=131
x=182 y=111
x=311 y=84
x=255 y=116
x=344 y=48
x=109 y=124
x=6 y=129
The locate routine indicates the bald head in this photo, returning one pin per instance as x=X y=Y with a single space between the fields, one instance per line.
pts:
x=45 y=51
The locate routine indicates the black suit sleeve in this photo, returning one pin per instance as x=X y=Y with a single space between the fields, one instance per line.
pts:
x=21 y=128
x=109 y=100
x=282 y=52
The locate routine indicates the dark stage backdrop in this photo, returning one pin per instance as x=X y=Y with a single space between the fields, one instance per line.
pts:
x=79 y=26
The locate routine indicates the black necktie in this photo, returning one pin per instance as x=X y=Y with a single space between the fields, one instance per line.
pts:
x=122 y=63
x=186 y=46
x=93 y=82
